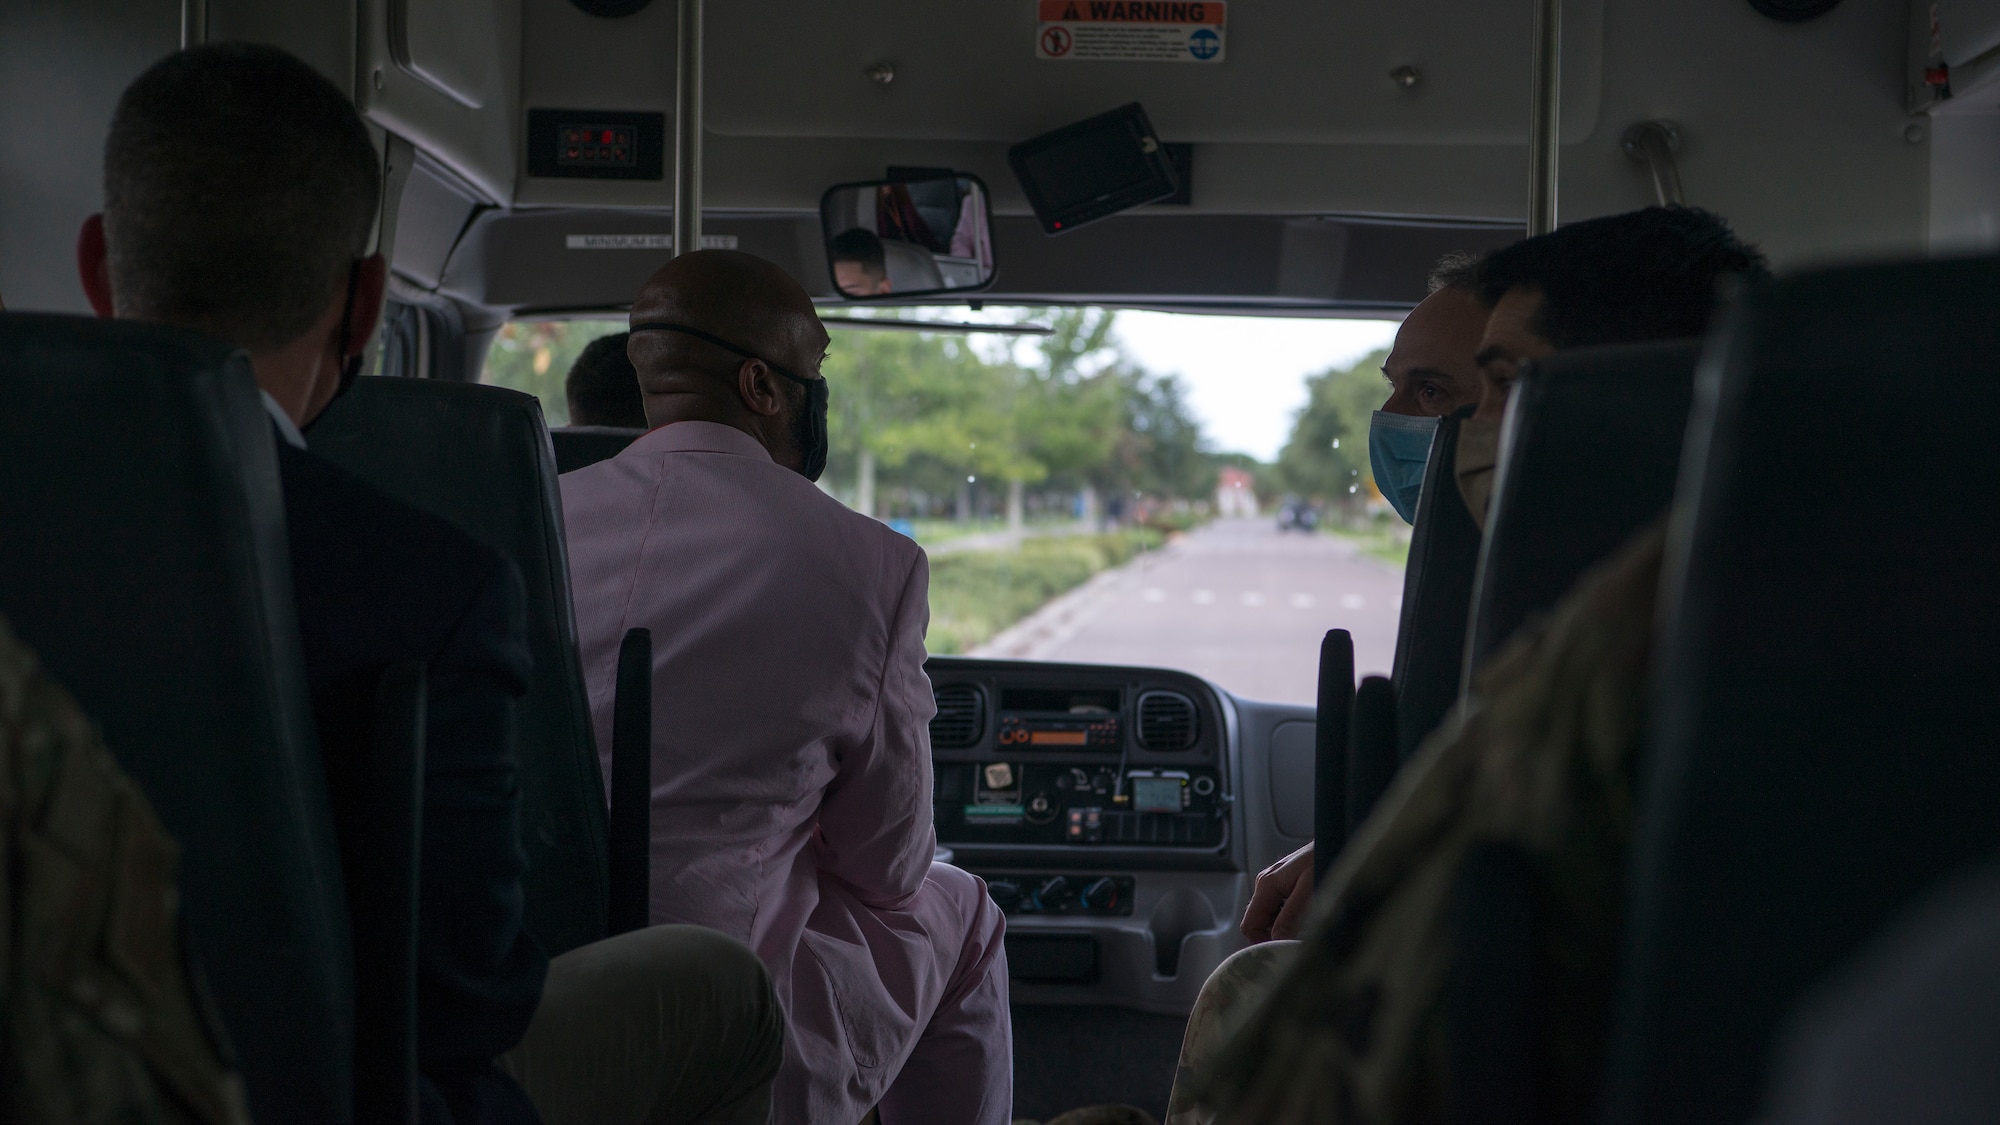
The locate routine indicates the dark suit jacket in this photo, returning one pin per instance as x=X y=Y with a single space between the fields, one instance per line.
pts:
x=379 y=581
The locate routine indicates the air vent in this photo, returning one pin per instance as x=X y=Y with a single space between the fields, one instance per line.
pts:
x=961 y=717
x=1167 y=721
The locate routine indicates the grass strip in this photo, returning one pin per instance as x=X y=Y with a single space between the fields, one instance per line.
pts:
x=1381 y=544
x=975 y=594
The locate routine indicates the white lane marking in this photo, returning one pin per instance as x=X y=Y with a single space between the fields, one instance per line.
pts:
x=1302 y=601
x=1253 y=599
x=1352 y=601
x=1204 y=597
x=1153 y=594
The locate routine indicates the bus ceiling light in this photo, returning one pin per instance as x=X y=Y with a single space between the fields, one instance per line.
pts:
x=1405 y=76
x=1654 y=143
x=882 y=73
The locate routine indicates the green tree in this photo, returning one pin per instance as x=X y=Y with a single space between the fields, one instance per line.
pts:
x=1160 y=448
x=1326 y=456
x=987 y=417
x=896 y=394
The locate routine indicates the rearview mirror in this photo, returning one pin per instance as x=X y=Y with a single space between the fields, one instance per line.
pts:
x=908 y=238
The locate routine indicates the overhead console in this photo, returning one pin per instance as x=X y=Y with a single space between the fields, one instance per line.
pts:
x=1123 y=765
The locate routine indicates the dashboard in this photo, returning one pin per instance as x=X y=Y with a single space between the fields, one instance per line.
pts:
x=1118 y=816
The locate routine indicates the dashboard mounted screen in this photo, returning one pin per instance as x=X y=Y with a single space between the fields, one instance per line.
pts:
x=1093 y=169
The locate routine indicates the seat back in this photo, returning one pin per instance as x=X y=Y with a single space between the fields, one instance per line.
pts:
x=144 y=559
x=479 y=457
x=1592 y=449
x=1437 y=594
x=911 y=268
x=1824 y=733
x=577 y=446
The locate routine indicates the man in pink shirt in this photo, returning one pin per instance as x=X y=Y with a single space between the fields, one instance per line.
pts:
x=791 y=746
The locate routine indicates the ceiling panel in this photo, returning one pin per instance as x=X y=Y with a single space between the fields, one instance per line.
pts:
x=1295 y=71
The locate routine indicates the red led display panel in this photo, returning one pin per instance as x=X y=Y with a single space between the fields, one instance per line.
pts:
x=596 y=146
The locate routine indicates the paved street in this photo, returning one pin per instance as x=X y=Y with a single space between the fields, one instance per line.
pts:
x=1237 y=601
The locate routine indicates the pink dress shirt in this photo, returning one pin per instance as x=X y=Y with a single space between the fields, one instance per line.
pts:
x=791 y=764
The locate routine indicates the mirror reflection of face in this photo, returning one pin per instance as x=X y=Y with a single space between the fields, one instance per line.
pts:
x=856 y=279
x=908 y=237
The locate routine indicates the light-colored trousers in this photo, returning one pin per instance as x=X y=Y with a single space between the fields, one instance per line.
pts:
x=661 y=1026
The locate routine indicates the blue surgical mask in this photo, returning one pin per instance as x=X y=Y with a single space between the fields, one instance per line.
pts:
x=1398 y=447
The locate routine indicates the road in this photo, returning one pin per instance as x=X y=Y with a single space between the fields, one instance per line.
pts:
x=1237 y=601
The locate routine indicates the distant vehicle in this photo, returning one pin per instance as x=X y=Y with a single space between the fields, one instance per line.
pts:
x=1295 y=514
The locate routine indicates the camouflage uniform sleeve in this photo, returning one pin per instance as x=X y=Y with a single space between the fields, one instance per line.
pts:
x=101 y=1023
x=1543 y=758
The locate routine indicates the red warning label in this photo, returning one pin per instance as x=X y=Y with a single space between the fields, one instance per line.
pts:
x=1131 y=30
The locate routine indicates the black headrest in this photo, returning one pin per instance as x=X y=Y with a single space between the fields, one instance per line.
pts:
x=1825 y=733
x=479 y=457
x=1592 y=448
x=1437 y=593
x=144 y=558
x=577 y=446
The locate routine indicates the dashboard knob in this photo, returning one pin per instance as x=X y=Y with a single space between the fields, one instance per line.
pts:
x=1006 y=893
x=1055 y=892
x=1102 y=894
x=1040 y=810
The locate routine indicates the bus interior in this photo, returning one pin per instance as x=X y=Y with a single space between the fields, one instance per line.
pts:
x=543 y=157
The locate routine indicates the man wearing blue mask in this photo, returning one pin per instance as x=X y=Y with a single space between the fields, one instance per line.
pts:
x=1431 y=373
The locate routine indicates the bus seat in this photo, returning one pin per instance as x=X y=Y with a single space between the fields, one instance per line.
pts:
x=479 y=456
x=1593 y=450
x=1824 y=732
x=912 y=269
x=1437 y=594
x=577 y=446
x=145 y=560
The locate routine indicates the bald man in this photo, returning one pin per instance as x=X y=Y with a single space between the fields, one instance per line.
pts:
x=791 y=747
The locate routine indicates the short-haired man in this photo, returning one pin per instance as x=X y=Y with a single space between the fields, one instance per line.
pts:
x=1431 y=373
x=1542 y=761
x=603 y=387
x=1629 y=278
x=240 y=189
x=791 y=752
x=860 y=265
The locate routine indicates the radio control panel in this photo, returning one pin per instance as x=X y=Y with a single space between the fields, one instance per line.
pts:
x=1038 y=733
x=1051 y=803
x=1076 y=756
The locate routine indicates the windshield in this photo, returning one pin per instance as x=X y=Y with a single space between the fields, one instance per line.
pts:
x=1183 y=491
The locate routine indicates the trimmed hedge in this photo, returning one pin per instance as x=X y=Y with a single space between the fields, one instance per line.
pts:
x=975 y=594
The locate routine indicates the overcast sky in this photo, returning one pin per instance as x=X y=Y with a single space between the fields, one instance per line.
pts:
x=1246 y=375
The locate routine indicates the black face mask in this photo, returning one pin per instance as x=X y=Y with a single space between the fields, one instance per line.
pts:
x=808 y=424
x=350 y=366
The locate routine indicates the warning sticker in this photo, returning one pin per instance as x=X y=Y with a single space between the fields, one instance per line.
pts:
x=1131 y=30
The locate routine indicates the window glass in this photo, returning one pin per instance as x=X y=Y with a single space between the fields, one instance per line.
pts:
x=535 y=356
x=1134 y=488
